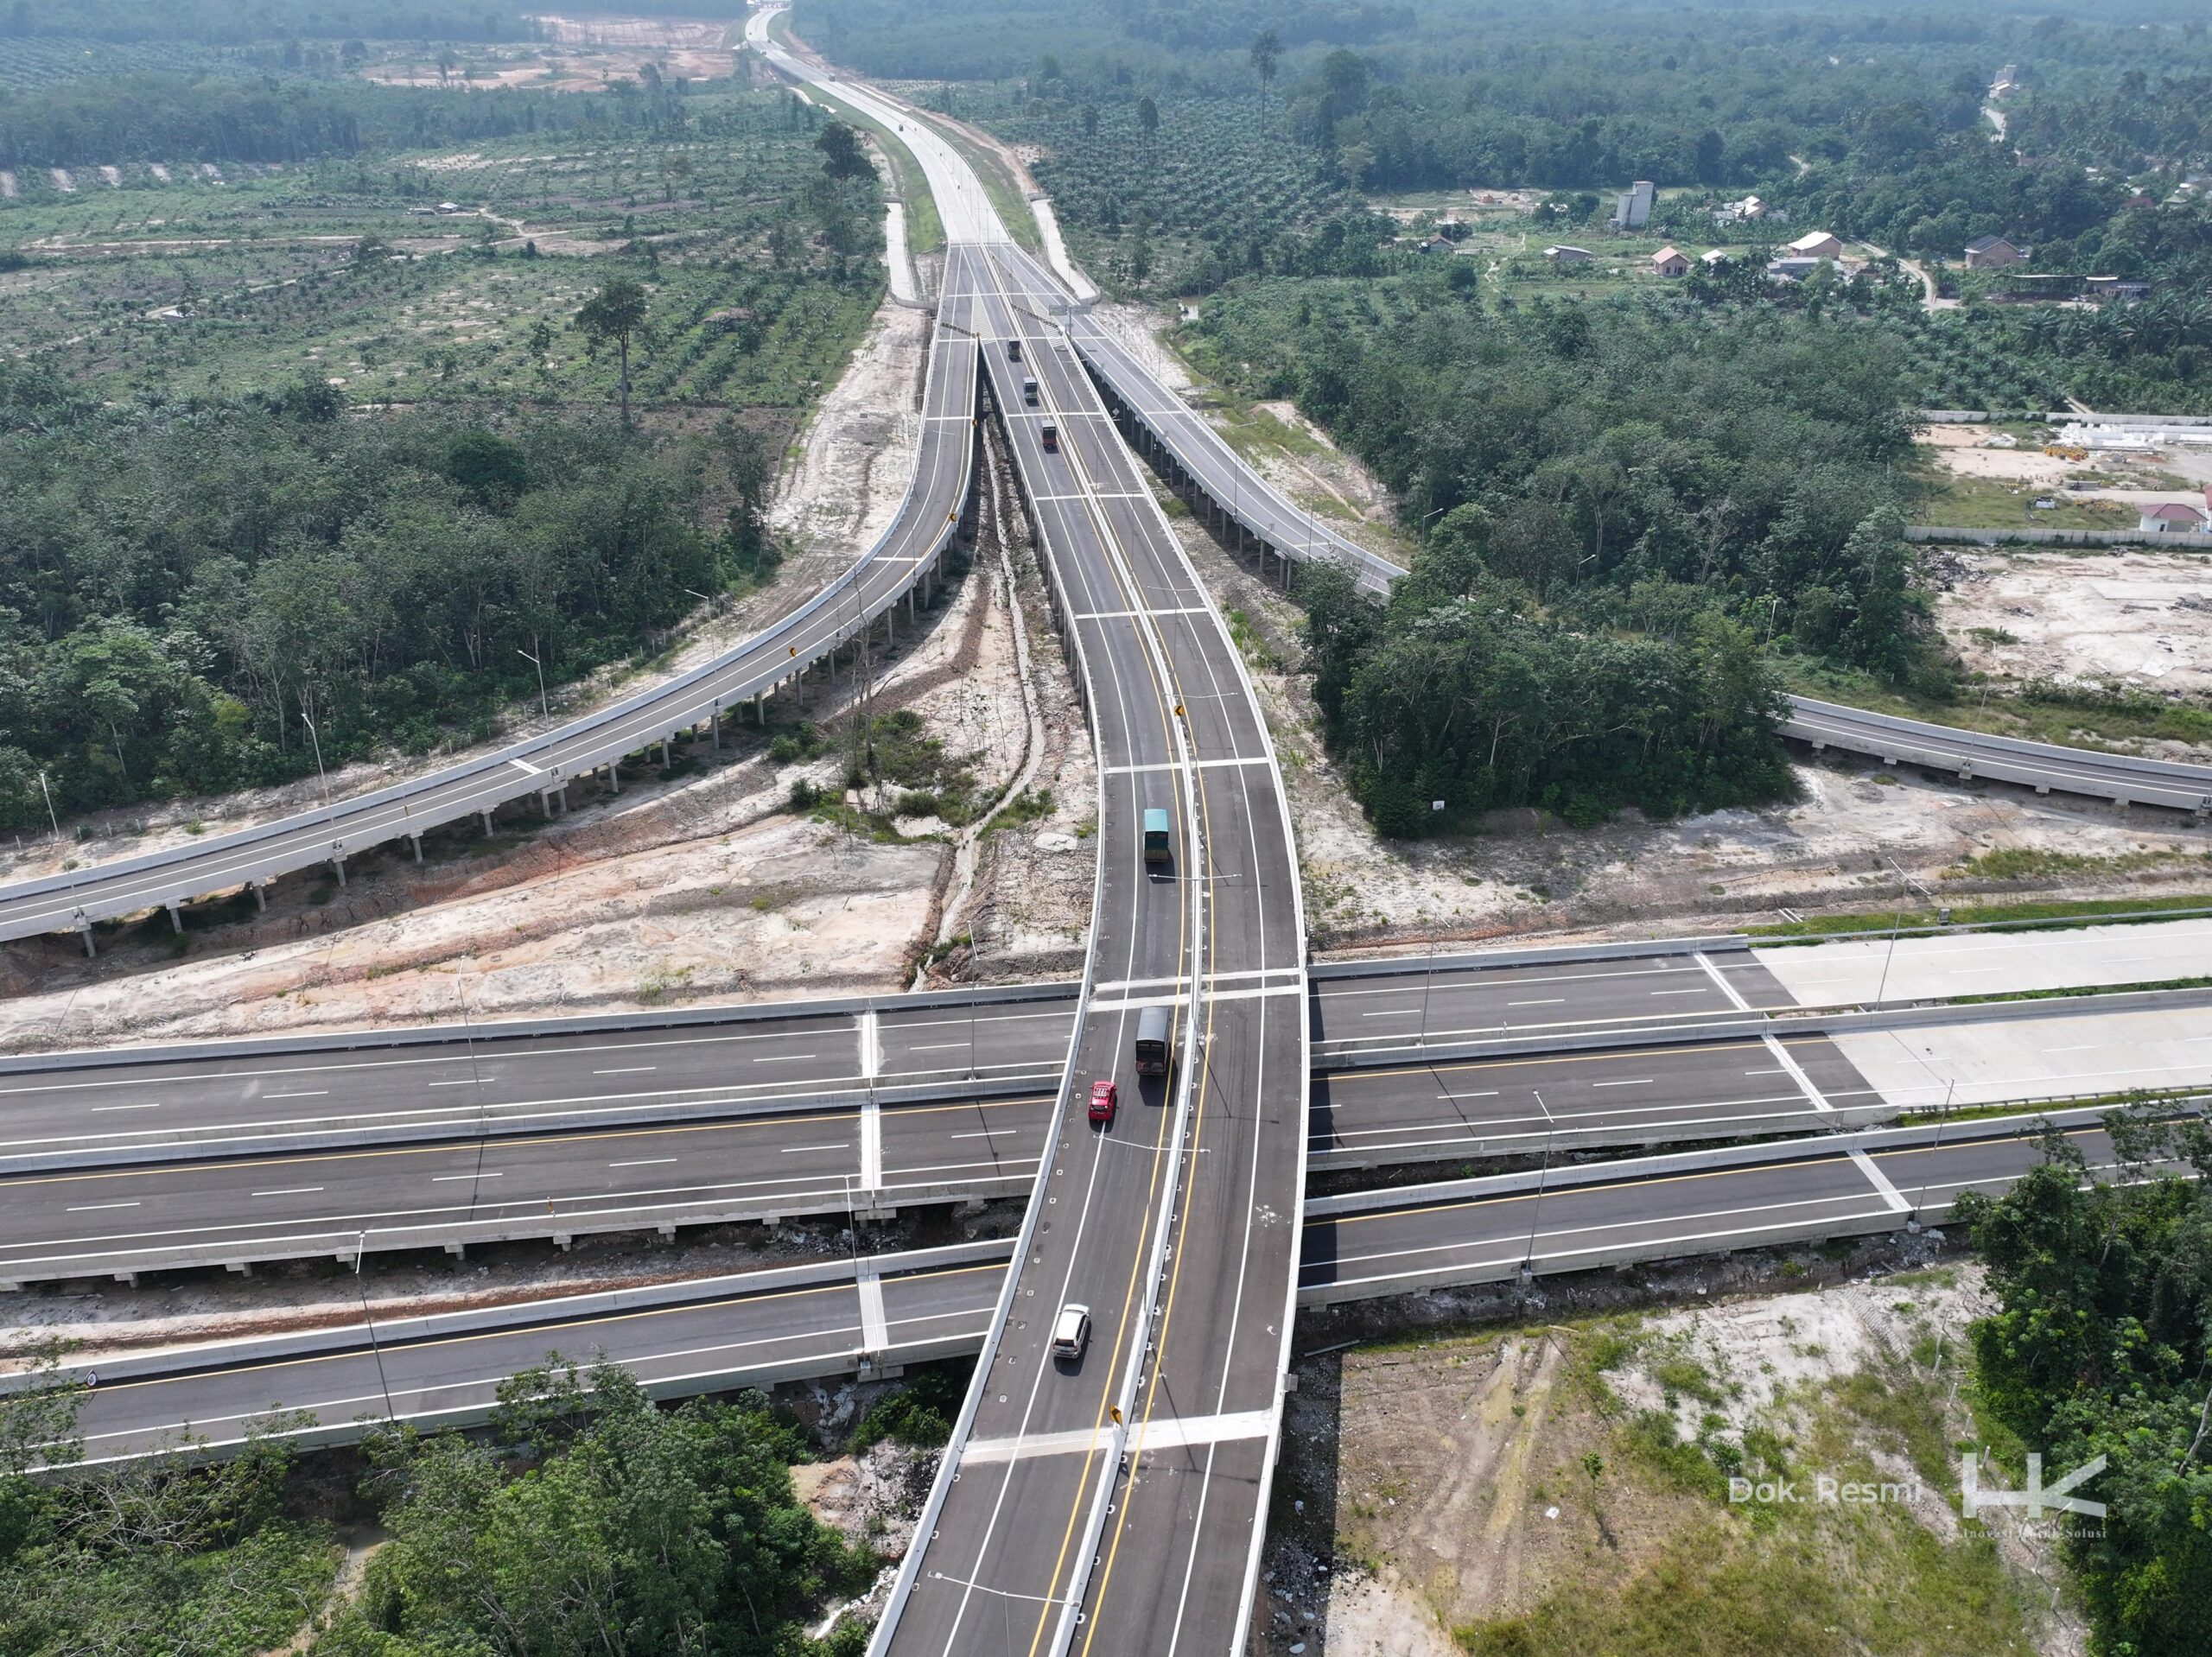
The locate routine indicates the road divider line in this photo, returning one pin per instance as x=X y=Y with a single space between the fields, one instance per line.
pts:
x=1178 y=1432
x=875 y=1327
x=1818 y=1099
x=871 y=1146
x=1705 y=964
x=1880 y=1182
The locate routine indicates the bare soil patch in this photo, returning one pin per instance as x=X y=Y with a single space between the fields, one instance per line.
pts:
x=1441 y=1478
x=2137 y=616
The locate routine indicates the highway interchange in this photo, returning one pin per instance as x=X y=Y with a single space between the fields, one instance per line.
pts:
x=1116 y=1504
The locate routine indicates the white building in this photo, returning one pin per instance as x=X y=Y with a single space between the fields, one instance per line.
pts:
x=1633 y=211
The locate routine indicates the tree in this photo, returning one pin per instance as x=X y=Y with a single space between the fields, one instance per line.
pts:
x=842 y=156
x=1267 y=52
x=1147 y=119
x=614 y=314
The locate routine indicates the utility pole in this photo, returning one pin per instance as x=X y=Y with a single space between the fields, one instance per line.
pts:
x=50 y=817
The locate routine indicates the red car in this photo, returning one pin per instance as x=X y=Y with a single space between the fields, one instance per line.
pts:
x=1104 y=1097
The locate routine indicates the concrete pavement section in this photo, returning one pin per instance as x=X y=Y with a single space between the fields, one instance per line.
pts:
x=2060 y=1057
x=1871 y=969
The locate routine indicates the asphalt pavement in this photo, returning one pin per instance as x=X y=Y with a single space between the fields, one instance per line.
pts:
x=827 y=1318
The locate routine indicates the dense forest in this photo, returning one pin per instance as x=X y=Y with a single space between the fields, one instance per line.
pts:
x=2101 y=1345
x=1627 y=504
x=584 y=1519
x=183 y=590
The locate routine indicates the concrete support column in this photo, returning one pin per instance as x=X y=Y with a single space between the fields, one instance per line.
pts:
x=614 y=775
x=546 y=802
x=416 y=841
x=176 y=916
x=91 y=950
x=261 y=887
x=665 y=760
x=715 y=725
x=485 y=813
x=759 y=716
x=339 y=864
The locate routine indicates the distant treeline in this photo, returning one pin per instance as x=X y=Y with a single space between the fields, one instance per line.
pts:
x=230 y=23
x=261 y=118
x=237 y=22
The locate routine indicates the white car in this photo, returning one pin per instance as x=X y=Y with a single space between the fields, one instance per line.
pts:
x=1071 y=1332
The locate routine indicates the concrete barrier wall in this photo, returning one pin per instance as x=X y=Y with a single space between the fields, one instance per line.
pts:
x=1940 y=536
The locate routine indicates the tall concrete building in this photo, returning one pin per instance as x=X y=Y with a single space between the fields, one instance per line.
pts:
x=1632 y=210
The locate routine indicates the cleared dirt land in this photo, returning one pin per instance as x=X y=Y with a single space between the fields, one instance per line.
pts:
x=2132 y=615
x=1507 y=1472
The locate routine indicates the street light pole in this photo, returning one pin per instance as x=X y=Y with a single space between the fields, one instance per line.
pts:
x=50 y=817
x=1543 y=1176
x=544 y=703
x=313 y=737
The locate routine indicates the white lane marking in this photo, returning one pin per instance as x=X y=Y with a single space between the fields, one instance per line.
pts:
x=291 y=1191
x=1881 y=1183
x=526 y=768
x=1174 y=1432
x=628 y=1069
x=875 y=1328
x=1211 y=995
x=1678 y=992
x=642 y=1162
x=871 y=1146
x=1556 y=1000
x=98 y=1109
x=1128 y=615
x=987 y=1134
x=1634 y=1081
x=871 y=1038
x=1391 y=1013
x=793 y=1150
x=1492 y=1094
x=1726 y=988
x=1804 y=1082
x=1183 y=981
x=470 y=1082
x=1771 y=1070
x=782 y=1058
x=317 y=1093
x=1184 y=764
x=89 y=1208
x=446 y=1179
